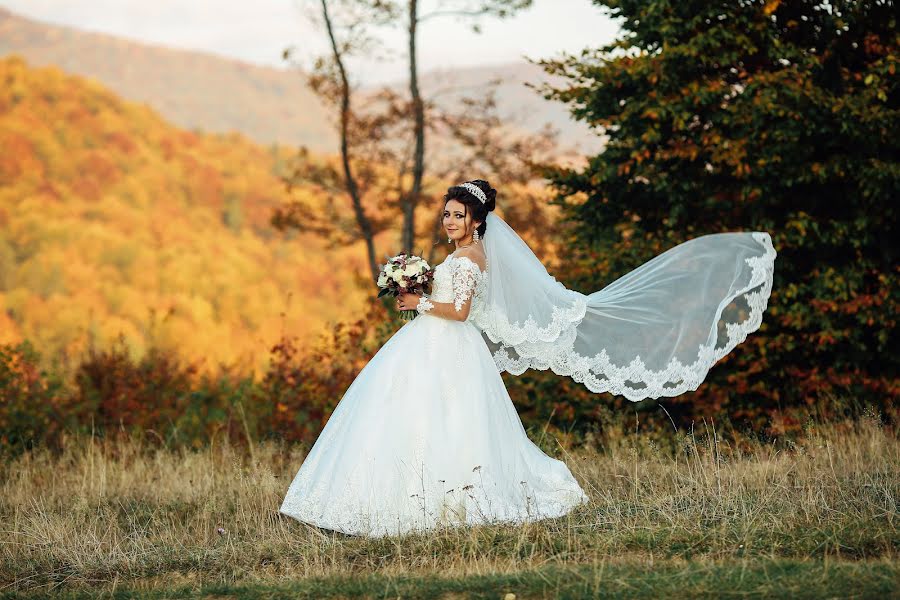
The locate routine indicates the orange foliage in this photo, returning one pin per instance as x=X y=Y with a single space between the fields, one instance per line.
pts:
x=115 y=222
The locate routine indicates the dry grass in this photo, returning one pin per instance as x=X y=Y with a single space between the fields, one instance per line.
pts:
x=107 y=514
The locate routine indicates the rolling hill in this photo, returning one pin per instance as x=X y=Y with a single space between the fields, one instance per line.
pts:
x=193 y=90
x=196 y=90
x=113 y=221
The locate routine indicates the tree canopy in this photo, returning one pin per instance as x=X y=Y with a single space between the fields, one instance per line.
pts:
x=779 y=116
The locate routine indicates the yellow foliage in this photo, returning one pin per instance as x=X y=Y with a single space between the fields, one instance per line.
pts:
x=115 y=222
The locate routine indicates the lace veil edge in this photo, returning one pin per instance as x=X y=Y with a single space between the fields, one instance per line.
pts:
x=654 y=332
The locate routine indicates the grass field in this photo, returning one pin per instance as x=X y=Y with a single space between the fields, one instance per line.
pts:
x=702 y=514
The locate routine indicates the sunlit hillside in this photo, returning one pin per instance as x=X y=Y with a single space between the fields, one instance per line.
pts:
x=113 y=221
x=191 y=89
x=213 y=93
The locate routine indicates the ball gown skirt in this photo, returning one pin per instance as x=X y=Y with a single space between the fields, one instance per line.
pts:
x=427 y=436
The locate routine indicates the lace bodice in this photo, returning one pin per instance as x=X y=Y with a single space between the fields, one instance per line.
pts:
x=456 y=279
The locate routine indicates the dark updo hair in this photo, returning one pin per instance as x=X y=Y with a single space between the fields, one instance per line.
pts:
x=478 y=210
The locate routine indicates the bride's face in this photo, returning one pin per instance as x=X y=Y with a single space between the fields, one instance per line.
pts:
x=457 y=221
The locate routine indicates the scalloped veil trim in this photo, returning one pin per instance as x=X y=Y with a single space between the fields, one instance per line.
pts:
x=551 y=346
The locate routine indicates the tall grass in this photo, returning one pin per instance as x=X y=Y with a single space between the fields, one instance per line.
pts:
x=104 y=513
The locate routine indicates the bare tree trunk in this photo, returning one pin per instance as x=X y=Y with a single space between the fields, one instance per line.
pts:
x=365 y=226
x=369 y=139
x=412 y=199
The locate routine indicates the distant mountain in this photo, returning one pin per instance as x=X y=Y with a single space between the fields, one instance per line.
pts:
x=202 y=91
x=522 y=107
x=192 y=89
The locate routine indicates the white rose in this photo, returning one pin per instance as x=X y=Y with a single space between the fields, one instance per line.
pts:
x=382 y=279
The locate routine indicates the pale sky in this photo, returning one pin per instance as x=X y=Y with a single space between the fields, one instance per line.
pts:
x=258 y=31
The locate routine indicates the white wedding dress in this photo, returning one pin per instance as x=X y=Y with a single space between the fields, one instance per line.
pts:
x=427 y=435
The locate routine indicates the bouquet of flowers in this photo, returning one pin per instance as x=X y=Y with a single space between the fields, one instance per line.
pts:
x=405 y=274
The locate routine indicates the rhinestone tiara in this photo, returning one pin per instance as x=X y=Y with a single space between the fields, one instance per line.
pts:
x=474 y=190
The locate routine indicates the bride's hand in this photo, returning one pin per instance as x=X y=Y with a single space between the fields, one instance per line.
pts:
x=407 y=301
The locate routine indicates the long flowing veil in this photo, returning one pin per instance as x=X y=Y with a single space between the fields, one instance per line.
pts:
x=654 y=332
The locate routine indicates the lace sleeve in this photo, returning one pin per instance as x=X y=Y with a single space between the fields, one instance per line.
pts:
x=465 y=278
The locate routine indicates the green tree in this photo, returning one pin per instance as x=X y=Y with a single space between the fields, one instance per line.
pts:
x=751 y=115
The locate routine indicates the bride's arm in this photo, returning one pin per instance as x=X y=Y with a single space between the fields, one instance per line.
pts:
x=458 y=310
x=464 y=278
x=445 y=310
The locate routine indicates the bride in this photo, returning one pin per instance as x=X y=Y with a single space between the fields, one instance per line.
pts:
x=427 y=436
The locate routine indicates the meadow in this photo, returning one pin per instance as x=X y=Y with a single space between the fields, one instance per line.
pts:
x=155 y=468
x=707 y=512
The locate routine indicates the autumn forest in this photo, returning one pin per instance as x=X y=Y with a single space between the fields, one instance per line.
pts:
x=115 y=223
x=189 y=245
